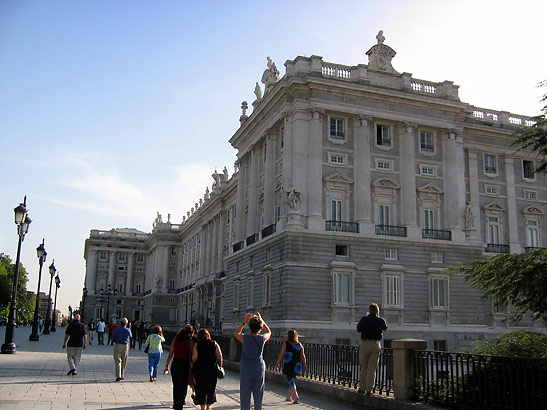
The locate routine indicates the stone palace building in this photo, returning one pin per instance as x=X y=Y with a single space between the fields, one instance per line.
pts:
x=352 y=185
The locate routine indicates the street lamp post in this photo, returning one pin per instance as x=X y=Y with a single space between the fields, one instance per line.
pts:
x=57 y=286
x=22 y=221
x=108 y=293
x=84 y=295
x=52 y=271
x=41 y=252
x=70 y=313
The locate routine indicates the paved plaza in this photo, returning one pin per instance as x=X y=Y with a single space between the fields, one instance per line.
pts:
x=35 y=378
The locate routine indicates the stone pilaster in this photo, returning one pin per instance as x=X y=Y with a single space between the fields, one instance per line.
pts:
x=111 y=269
x=361 y=168
x=129 y=278
x=252 y=203
x=220 y=241
x=300 y=146
x=454 y=166
x=91 y=272
x=512 y=222
x=316 y=221
x=164 y=268
x=214 y=245
x=203 y=252
x=407 y=139
x=240 y=201
x=269 y=171
x=475 y=223
x=287 y=158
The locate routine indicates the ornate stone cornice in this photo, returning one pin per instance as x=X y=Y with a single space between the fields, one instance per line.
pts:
x=316 y=112
x=364 y=119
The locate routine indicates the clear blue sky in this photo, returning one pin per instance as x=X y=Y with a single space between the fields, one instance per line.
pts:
x=113 y=110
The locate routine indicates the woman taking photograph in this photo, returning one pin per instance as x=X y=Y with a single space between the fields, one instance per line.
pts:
x=294 y=362
x=205 y=356
x=252 y=370
x=181 y=353
x=153 y=342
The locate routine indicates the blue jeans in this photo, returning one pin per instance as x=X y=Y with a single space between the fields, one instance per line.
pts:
x=153 y=362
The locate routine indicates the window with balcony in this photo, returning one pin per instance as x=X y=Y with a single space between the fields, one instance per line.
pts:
x=532 y=233
x=426 y=142
x=490 y=164
x=383 y=214
x=171 y=284
x=428 y=219
x=493 y=230
x=336 y=210
x=138 y=288
x=383 y=135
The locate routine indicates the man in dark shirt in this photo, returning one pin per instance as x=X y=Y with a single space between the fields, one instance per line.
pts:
x=371 y=328
x=121 y=338
x=77 y=339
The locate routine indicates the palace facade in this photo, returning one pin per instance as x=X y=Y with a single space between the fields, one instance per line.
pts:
x=353 y=184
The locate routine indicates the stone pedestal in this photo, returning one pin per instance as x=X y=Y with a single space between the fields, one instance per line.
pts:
x=403 y=369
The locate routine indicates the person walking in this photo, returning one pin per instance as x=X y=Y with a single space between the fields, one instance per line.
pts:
x=181 y=366
x=140 y=334
x=253 y=368
x=294 y=362
x=77 y=339
x=133 y=334
x=121 y=338
x=91 y=331
x=100 y=331
x=111 y=328
x=371 y=328
x=206 y=354
x=153 y=342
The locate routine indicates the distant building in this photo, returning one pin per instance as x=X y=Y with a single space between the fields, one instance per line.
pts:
x=353 y=184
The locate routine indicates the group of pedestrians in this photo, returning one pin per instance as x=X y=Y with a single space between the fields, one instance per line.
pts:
x=195 y=360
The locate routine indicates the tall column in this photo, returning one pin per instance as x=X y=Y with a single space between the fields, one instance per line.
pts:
x=91 y=272
x=473 y=227
x=269 y=170
x=361 y=167
x=220 y=241
x=455 y=185
x=512 y=222
x=203 y=252
x=214 y=247
x=111 y=270
x=315 y=171
x=300 y=146
x=408 y=178
x=165 y=269
x=129 y=279
x=240 y=200
x=253 y=191
x=286 y=164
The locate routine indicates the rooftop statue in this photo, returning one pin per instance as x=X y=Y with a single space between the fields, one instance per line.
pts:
x=270 y=75
x=380 y=56
x=225 y=172
x=380 y=37
x=258 y=92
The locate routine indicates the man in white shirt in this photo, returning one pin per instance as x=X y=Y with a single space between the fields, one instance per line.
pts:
x=100 y=331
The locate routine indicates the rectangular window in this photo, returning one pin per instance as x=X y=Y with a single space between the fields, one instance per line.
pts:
x=489 y=164
x=267 y=289
x=437 y=257
x=119 y=287
x=439 y=293
x=493 y=230
x=171 y=284
x=121 y=256
x=342 y=250
x=119 y=314
x=426 y=141
x=382 y=164
x=383 y=215
x=439 y=345
x=428 y=170
x=528 y=169
x=390 y=254
x=337 y=159
x=530 y=195
x=428 y=219
x=140 y=257
x=532 y=236
x=383 y=135
x=173 y=251
x=336 y=210
x=173 y=263
x=491 y=190
x=393 y=290
x=251 y=261
x=138 y=288
x=102 y=255
x=337 y=128
x=236 y=295
x=277 y=213
x=343 y=288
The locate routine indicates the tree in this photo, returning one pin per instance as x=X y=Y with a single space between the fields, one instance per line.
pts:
x=520 y=280
x=535 y=136
x=25 y=306
x=518 y=343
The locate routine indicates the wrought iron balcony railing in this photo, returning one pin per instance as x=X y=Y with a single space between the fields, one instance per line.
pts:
x=237 y=246
x=436 y=234
x=252 y=239
x=267 y=231
x=390 y=230
x=532 y=248
x=497 y=248
x=342 y=226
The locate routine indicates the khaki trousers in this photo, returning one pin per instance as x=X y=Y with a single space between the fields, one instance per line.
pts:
x=73 y=355
x=369 y=354
x=120 y=358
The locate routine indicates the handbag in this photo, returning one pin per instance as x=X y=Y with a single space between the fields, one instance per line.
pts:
x=220 y=372
x=146 y=348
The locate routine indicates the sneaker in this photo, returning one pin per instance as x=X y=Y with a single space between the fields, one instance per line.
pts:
x=118 y=379
x=74 y=373
x=71 y=371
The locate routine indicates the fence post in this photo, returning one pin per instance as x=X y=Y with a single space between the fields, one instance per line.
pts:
x=403 y=368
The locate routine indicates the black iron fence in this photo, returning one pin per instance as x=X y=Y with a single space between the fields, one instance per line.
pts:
x=390 y=230
x=436 y=234
x=342 y=226
x=333 y=364
x=472 y=381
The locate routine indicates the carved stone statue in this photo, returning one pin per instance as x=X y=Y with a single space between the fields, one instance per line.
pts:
x=294 y=198
x=258 y=92
x=225 y=172
x=158 y=218
x=206 y=196
x=270 y=75
x=380 y=37
x=168 y=218
x=469 y=216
